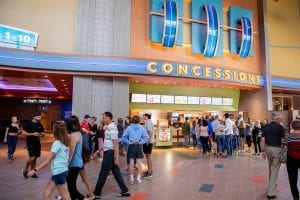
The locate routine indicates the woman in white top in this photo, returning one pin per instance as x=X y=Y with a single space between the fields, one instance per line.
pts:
x=197 y=130
x=220 y=137
x=204 y=136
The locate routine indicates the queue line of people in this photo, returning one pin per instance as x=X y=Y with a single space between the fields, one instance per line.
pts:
x=227 y=134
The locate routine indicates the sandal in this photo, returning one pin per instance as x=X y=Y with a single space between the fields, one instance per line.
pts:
x=9 y=161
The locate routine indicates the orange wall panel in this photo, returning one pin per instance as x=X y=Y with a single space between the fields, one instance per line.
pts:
x=141 y=46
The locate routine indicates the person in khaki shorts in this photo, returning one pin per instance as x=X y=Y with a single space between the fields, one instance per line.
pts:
x=272 y=138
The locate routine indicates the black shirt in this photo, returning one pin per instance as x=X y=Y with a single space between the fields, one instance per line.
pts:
x=13 y=129
x=273 y=133
x=32 y=127
x=94 y=129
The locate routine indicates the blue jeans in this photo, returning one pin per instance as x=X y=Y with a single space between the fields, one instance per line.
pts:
x=194 y=140
x=220 y=143
x=186 y=140
x=199 y=143
x=228 y=144
x=236 y=142
x=12 y=145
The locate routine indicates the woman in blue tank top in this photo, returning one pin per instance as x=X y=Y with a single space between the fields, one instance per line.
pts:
x=76 y=162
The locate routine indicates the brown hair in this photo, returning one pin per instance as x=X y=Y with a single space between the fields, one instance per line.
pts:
x=135 y=119
x=295 y=125
x=60 y=132
x=73 y=124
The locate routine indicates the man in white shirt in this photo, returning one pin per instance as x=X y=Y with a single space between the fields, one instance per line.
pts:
x=110 y=159
x=147 y=148
x=228 y=134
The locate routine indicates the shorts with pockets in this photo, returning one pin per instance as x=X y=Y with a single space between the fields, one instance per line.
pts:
x=135 y=151
x=60 y=179
x=147 y=148
x=34 y=150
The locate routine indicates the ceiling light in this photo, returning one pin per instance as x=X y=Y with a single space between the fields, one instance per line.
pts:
x=136 y=81
x=65 y=84
x=62 y=80
x=46 y=76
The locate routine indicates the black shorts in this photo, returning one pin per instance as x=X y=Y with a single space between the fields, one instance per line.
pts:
x=135 y=151
x=147 y=148
x=34 y=150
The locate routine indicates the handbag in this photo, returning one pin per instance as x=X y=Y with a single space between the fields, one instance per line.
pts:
x=283 y=154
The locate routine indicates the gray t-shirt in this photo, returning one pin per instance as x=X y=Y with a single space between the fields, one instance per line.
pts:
x=111 y=133
x=149 y=126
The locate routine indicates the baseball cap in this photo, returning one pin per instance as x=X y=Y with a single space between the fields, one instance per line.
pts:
x=86 y=116
x=37 y=114
x=147 y=113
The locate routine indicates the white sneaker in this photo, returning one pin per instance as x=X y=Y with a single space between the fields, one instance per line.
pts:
x=138 y=181
x=131 y=182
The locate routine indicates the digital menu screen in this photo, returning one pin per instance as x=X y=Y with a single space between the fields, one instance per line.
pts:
x=138 y=98
x=181 y=100
x=193 y=100
x=205 y=100
x=227 y=101
x=153 y=98
x=217 y=101
x=167 y=99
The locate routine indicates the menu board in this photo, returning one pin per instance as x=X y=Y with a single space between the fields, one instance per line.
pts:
x=193 y=100
x=181 y=100
x=167 y=99
x=153 y=98
x=217 y=101
x=227 y=101
x=138 y=98
x=164 y=135
x=205 y=100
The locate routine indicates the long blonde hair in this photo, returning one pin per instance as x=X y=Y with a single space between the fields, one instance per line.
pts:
x=60 y=132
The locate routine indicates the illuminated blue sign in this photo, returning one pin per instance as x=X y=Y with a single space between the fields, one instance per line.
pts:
x=166 y=22
x=170 y=24
x=212 y=31
x=17 y=38
x=246 y=37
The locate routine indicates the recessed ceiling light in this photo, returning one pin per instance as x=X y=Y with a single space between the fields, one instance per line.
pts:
x=65 y=84
x=62 y=80
x=136 y=81
x=46 y=76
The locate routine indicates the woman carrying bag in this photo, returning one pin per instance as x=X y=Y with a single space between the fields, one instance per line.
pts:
x=293 y=157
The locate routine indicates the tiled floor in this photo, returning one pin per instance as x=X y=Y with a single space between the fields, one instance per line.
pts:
x=178 y=174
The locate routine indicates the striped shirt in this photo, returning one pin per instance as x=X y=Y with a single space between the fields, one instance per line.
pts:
x=293 y=141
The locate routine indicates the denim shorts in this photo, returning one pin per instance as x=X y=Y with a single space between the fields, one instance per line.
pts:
x=60 y=179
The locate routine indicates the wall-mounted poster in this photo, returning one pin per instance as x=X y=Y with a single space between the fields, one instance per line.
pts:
x=193 y=100
x=167 y=99
x=217 y=101
x=227 y=101
x=205 y=100
x=181 y=100
x=153 y=98
x=138 y=98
